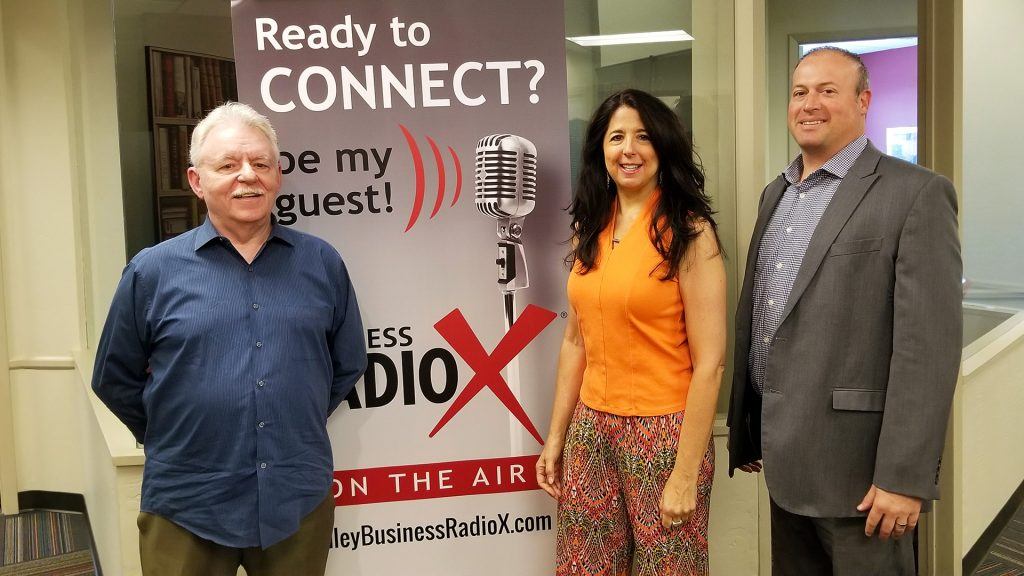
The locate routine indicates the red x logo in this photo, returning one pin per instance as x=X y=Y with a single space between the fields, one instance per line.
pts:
x=456 y=331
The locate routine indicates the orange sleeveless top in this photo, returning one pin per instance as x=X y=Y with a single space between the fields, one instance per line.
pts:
x=638 y=360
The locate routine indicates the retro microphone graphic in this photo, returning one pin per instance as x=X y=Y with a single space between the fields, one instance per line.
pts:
x=506 y=190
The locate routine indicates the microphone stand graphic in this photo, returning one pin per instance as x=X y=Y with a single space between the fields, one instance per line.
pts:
x=512 y=277
x=506 y=186
x=512 y=271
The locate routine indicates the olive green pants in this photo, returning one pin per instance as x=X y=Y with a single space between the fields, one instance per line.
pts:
x=167 y=549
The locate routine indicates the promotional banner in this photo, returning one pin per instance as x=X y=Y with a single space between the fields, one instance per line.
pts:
x=380 y=107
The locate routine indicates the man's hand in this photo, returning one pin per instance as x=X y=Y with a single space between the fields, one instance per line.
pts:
x=753 y=467
x=893 y=514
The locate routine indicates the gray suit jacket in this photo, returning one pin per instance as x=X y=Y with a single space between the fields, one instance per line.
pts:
x=860 y=376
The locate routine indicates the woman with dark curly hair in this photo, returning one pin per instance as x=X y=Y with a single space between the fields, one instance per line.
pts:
x=644 y=344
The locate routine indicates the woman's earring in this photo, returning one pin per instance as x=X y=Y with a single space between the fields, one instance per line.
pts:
x=659 y=178
x=608 y=181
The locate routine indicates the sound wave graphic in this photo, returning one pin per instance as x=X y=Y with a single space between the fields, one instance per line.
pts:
x=442 y=179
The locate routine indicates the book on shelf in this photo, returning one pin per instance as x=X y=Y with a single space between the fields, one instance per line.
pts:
x=212 y=81
x=183 y=88
x=167 y=82
x=218 y=84
x=180 y=86
x=173 y=155
x=204 y=85
x=232 y=81
x=175 y=215
x=196 y=102
x=157 y=78
x=164 y=155
x=182 y=160
x=175 y=226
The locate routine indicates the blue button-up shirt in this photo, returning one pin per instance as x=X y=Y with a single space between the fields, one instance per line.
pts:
x=227 y=371
x=785 y=242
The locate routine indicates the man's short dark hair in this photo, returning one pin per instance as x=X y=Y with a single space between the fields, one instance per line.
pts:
x=863 y=82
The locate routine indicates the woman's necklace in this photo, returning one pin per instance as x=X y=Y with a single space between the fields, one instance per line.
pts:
x=615 y=217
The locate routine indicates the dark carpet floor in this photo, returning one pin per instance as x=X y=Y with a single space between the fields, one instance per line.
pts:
x=1006 y=556
x=44 y=542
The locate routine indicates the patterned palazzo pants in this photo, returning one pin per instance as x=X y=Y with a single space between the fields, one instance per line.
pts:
x=609 y=522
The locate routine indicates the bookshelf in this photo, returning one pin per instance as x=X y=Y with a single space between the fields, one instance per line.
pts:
x=183 y=87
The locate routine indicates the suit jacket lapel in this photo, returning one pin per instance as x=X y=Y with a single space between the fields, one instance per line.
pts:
x=846 y=199
x=772 y=195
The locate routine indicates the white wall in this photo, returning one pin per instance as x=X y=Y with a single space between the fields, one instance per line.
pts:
x=991 y=396
x=993 y=193
x=99 y=479
x=40 y=262
x=62 y=243
x=38 y=224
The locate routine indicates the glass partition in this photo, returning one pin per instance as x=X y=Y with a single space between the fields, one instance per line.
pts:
x=993 y=200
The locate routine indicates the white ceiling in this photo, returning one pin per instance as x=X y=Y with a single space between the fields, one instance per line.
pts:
x=617 y=17
x=865 y=46
x=194 y=7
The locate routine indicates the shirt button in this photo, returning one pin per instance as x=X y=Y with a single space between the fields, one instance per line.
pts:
x=771 y=302
x=255 y=306
x=261 y=424
x=779 y=266
x=789 y=230
x=767 y=339
x=261 y=383
x=263 y=465
x=259 y=344
x=803 y=195
x=250 y=268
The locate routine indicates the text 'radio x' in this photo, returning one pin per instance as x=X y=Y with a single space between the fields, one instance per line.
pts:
x=487 y=368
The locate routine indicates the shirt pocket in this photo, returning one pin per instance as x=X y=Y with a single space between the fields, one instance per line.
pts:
x=855 y=247
x=858 y=399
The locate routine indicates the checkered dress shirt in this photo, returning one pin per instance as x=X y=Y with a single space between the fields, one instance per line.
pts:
x=784 y=244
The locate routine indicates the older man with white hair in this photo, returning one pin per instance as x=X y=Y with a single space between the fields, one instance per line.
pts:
x=225 y=351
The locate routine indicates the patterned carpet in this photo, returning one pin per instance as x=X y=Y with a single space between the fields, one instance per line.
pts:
x=41 y=542
x=1006 y=556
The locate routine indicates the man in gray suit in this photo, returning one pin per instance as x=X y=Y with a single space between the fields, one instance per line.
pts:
x=848 y=337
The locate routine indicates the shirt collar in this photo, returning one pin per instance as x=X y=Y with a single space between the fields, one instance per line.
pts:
x=282 y=233
x=838 y=165
x=207 y=233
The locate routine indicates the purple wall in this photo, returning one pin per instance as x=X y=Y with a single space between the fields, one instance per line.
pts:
x=893 y=76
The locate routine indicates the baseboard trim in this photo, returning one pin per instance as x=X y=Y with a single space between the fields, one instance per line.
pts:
x=44 y=499
x=977 y=552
